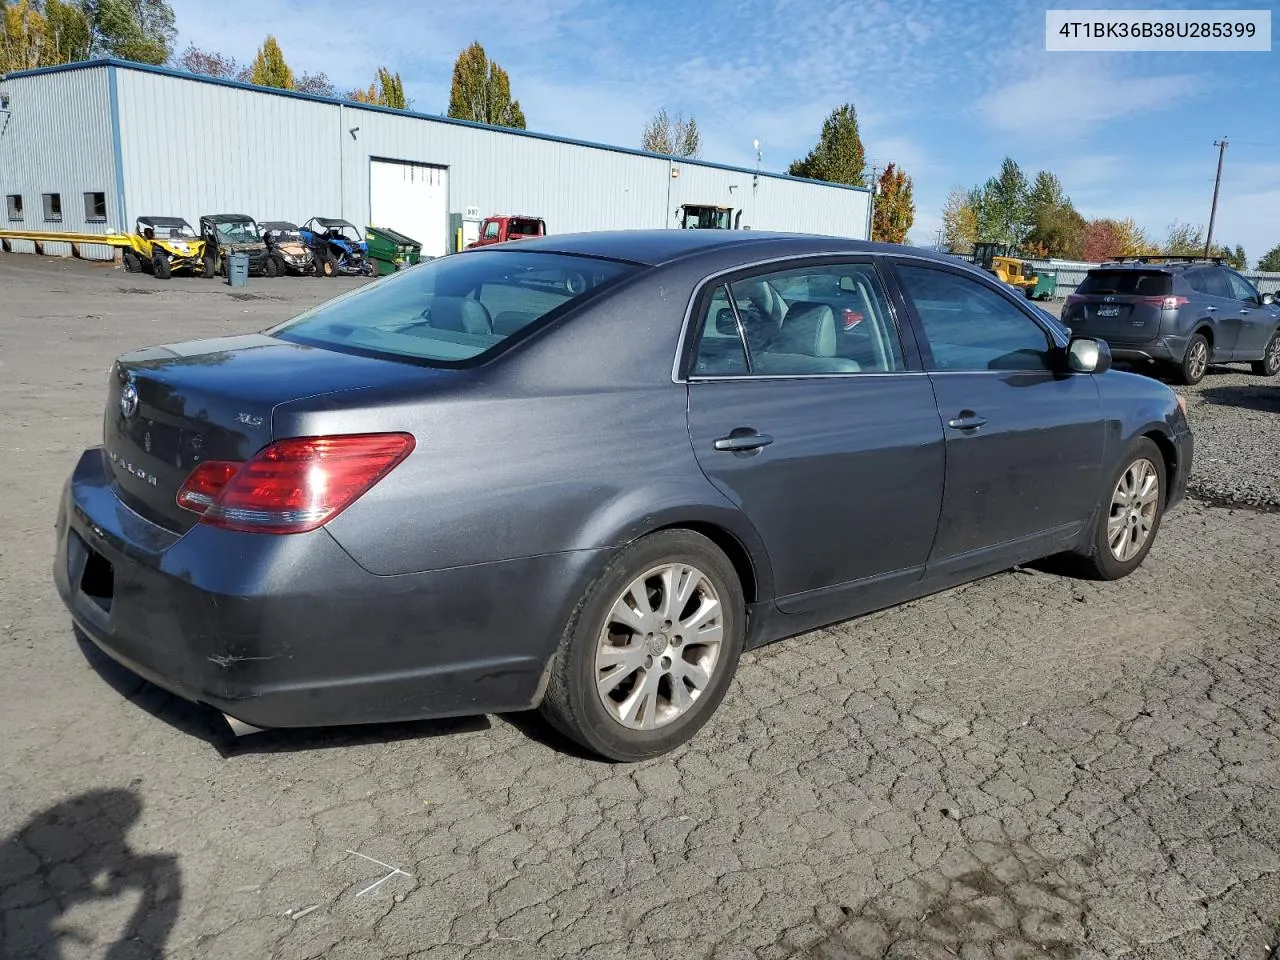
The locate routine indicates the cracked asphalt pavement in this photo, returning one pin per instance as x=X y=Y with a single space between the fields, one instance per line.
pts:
x=1025 y=767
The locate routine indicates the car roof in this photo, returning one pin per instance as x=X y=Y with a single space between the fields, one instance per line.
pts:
x=654 y=247
x=1155 y=267
x=277 y=225
x=229 y=217
x=333 y=223
x=164 y=221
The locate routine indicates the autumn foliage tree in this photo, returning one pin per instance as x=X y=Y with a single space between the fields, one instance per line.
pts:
x=209 y=63
x=269 y=68
x=481 y=91
x=959 y=222
x=672 y=136
x=895 y=210
x=387 y=90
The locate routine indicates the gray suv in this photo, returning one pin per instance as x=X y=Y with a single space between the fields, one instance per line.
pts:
x=1183 y=312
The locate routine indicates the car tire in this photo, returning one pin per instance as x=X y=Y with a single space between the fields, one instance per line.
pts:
x=646 y=705
x=132 y=262
x=328 y=267
x=1269 y=365
x=1195 y=360
x=270 y=268
x=1117 y=543
x=210 y=268
x=163 y=269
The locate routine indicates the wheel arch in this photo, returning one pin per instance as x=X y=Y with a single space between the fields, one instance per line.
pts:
x=1168 y=452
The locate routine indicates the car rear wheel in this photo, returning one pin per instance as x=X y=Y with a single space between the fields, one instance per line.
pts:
x=1269 y=365
x=1129 y=516
x=650 y=651
x=132 y=262
x=1195 y=361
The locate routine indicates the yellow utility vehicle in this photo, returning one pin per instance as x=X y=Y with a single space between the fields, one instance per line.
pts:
x=163 y=245
x=1002 y=261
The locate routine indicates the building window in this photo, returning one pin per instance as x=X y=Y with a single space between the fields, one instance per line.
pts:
x=95 y=207
x=14 y=202
x=53 y=207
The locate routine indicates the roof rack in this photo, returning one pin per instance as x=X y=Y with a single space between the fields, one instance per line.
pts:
x=1165 y=258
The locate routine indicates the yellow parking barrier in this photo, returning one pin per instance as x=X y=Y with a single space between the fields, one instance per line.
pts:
x=40 y=237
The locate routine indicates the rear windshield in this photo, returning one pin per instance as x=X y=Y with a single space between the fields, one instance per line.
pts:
x=456 y=309
x=1134 y=283
x=525 y=228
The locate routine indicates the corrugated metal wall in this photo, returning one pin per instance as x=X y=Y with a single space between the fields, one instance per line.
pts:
x=192 y=147
x=58 y=140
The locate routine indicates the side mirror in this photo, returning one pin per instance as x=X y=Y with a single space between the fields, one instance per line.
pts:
x=1267 y=299
x=1085 y=355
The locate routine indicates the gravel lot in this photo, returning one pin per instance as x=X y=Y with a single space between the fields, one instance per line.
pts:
x=1025 y=767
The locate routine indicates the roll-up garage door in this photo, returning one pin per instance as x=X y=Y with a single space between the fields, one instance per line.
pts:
x=412 y=199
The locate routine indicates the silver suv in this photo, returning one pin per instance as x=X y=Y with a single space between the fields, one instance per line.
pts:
x=1184 y=312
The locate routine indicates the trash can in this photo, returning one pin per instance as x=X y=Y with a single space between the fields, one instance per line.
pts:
x=390 y=251
x=238 y=269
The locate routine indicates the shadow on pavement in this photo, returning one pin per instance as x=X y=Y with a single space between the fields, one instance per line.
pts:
x=205 y=723
x=1265 y=396
x=74 y=854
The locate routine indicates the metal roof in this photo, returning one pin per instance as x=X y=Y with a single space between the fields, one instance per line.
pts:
x=338 y=101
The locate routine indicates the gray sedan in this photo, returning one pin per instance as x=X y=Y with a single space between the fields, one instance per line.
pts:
x=584 y=473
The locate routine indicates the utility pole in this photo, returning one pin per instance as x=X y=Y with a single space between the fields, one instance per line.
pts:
x=1217 y=182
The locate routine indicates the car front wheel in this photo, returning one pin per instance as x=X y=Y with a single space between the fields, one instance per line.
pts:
x=1129 y=515
x=1269 y=365
x=651 y=649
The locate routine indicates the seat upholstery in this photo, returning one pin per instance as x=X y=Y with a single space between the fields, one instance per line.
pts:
x=805 y=344
x=460 y=314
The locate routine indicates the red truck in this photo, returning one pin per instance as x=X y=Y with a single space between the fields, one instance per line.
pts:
x=501 y=229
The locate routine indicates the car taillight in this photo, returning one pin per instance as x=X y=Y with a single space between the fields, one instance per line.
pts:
x=1166 y=303
x=1073 y=298
x=294 y=485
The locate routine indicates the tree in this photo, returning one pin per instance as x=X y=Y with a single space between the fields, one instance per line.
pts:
x=1270 y=261
x=316 y=83
x=1057 y=230
x=207 y=62
x=1103 y=240
x=838 y=156
x=138 y=30
x=1238 y=259
x=673 y=136
x=481 y=91
x=959 y=222
x=1003 y=205
x=68 y=29
x=1184 y=240
x=1046 y=194
x=386 y=91
x=26 y=38
x=895 y=210
x=269 y=68
x=1133 y=239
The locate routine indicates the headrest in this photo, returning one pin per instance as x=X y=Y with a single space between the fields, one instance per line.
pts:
x=460 y=314
x=809 y=330
x=726 y=322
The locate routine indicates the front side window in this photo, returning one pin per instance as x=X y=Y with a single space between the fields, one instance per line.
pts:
x=14 y=202
x=1241 y=288
x=95 y=206
x=971 y=327
x=821 y=319
x=491 y=230
x=53 y=206
x=456 y=309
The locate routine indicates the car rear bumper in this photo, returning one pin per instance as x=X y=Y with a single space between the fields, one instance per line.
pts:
x=288 y=631
x=1167 y=349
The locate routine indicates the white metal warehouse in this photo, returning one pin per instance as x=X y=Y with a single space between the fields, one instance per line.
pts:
x=88 y=147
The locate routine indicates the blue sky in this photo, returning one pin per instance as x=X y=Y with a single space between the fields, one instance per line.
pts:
x=944 y=89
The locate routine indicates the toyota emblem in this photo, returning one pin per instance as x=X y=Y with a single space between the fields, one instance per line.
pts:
x=129 y=400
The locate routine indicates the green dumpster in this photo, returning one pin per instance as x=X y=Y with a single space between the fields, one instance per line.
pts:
x=1046 y=285
x=390 y=251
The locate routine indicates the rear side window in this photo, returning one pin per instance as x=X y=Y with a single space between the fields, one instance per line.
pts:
x=1127 y=283
x=456 y=309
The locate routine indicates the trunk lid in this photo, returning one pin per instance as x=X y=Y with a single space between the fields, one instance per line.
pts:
x=170 y=408
x=1119 y=306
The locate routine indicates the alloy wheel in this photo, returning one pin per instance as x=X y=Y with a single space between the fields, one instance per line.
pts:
x=1133 y=510
x=660 y=646
x=1198 y=361
x=1272 y=360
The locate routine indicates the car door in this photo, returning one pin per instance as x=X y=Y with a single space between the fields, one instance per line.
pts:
x=837 y=461
x=1257 y=325
x=1024 y=438
x=1224 y=309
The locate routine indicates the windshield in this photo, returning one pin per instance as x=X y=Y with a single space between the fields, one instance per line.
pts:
x=236 y=231
x=455 y=309
x=338 y=231
x=168 y=231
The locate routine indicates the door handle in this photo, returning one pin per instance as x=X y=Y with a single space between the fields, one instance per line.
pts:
x=1210 y=309
x=967 y=421
x=741 y=442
